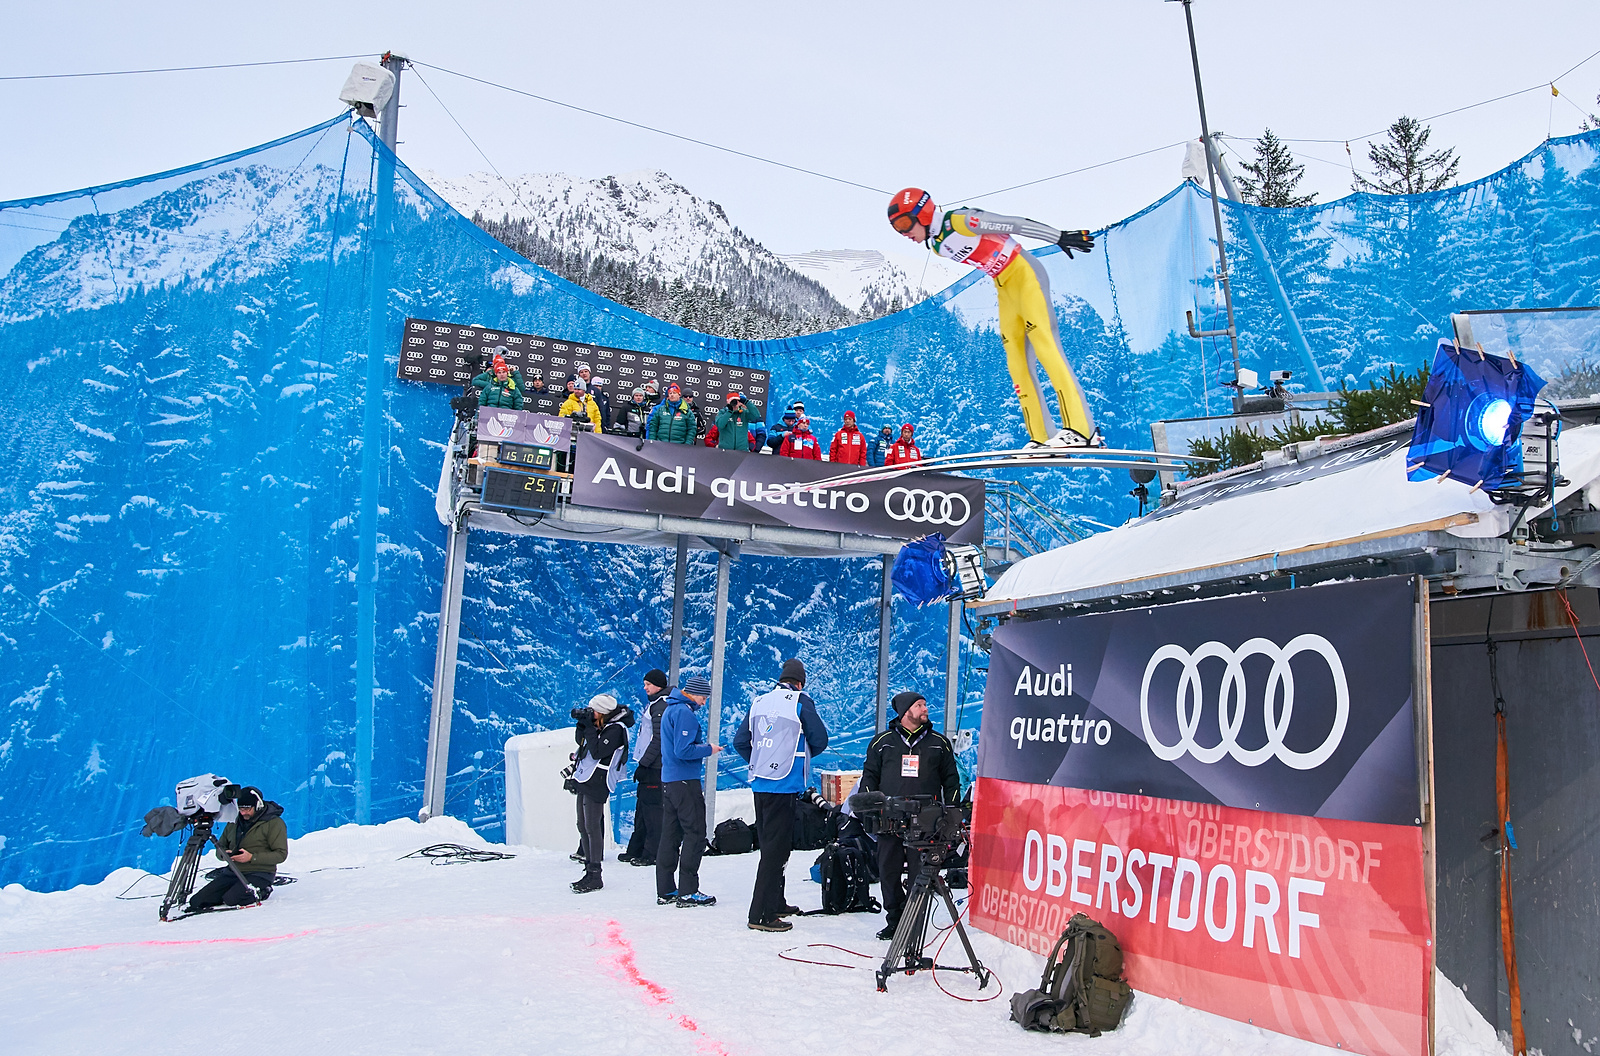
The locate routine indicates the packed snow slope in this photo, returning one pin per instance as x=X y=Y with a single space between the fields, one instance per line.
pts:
x=183 y=434
x=369 y=952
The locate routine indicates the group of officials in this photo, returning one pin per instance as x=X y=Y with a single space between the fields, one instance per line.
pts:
x=779 y=736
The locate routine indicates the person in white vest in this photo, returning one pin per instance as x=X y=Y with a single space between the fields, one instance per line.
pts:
x=779 y=737
x=602 y=737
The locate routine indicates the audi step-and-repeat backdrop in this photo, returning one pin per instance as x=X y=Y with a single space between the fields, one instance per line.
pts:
x=1232 y=786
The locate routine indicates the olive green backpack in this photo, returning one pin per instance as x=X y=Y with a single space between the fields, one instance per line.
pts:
x=1082 y=990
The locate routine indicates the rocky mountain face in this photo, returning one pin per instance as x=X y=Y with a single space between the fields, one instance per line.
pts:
x=644 y=240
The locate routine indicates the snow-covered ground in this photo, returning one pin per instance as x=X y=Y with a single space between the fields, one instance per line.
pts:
x=369 y=954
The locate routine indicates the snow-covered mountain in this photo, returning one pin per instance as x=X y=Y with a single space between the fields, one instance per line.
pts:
x=644 y=224
x=870 y=283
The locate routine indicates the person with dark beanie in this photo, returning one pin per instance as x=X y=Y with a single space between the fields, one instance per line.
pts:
x=910 y=758
x=647 y=774
x=779 y=737
x=683 y=802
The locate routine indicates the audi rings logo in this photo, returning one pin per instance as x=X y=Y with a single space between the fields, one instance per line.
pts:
x=929 y=507
x=1277 y=701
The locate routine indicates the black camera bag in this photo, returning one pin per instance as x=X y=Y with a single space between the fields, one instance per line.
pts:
x=847 y=877
x=812 y=824
x=733 y=836
x=1082 y=990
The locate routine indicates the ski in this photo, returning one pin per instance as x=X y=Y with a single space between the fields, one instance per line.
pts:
x=1039 y=457
x=208 y=912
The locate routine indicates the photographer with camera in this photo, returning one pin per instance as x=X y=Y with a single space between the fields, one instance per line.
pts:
x=683 y=816
x=256 y=843
x=500 y=385
x=602 y=737
x=910 y=758
x=779 y=737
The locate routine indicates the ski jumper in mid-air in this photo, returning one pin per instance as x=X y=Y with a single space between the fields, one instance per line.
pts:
x=988 y=242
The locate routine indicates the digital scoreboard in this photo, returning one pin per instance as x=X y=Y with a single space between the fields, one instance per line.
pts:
x=526 y=455
x=509 y=490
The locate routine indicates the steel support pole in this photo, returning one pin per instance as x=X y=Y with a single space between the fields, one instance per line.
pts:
x=885 y=622
x=719 y=639
x=680 y=579
x=366 y=581
x=952 y=666
x=437 y=767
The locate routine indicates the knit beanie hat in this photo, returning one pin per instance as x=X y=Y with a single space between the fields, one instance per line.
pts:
x=902 y=701
x=250 y=796
x=603 y=703
x=696 y=685
x=656 y=677
x=793 y=671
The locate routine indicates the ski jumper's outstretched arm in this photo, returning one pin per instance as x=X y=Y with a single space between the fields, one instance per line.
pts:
x=1028 y=327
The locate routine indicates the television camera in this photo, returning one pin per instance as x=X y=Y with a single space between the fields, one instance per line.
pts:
x=934 y=832
x=201 y=802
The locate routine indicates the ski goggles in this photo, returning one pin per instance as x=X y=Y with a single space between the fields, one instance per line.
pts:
x=904 y=222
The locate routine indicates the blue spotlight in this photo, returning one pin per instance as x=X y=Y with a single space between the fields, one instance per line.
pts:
x=1487 y=418
x=1471 y=421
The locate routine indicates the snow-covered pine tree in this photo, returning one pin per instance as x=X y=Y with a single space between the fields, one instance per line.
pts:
x=1274 y=176
x=1403 y=165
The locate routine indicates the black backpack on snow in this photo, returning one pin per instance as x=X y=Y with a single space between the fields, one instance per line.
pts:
x=847 y=877
x=734 y=836
x=1082 y=990
x=813 y=823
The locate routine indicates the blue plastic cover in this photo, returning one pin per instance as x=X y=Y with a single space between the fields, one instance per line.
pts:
x=183 y=433
x=919 y=575
x=1476 y=404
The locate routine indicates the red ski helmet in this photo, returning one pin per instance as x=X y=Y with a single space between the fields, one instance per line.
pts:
x=910 y=207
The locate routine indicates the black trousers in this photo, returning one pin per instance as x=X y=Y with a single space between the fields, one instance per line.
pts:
x=225 y=890
x=892 y=860
x=683 y=837
x=775 y=832
x=646 y=815
x=591 y=830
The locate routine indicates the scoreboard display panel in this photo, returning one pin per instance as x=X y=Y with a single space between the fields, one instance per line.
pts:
x=507 y=490
x=449 y=354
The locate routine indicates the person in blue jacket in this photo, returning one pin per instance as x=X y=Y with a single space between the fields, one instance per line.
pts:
x=683 y=801
x=779 y=737
x=879 y=449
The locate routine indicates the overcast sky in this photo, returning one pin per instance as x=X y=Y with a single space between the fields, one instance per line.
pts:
x=963 y=99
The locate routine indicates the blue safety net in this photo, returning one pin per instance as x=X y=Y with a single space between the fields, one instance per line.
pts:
x=185 y=433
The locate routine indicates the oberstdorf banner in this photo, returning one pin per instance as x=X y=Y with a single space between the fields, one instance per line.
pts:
x=1297 y=702
x=687 y=480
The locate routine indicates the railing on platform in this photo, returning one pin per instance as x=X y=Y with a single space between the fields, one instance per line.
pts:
x=1019 y=523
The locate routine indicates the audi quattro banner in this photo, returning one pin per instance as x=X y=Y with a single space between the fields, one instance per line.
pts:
x=1314 y=928
x=1296 y=702
x=684 y=480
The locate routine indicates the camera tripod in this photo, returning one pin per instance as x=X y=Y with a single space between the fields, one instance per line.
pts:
x=910 y=938
x=181 y=886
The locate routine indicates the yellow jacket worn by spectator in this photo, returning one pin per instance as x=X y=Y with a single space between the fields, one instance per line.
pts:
x=578 y=401
x=988 y=242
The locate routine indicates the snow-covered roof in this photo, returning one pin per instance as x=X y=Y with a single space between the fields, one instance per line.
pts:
x=1342 y=494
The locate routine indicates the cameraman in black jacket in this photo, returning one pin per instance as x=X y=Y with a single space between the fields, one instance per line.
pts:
x=601 y=734
x=910 y=758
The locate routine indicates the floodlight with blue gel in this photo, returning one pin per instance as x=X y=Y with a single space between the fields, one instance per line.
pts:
x=919 y=574
x=1469 y=430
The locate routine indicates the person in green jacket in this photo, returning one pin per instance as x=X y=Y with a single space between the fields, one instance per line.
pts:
x=256 y=843
x=733 y=424
x=499 y=386
x=674 y=421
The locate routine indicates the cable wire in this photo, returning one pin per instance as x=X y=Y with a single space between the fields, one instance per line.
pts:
x=176 y=69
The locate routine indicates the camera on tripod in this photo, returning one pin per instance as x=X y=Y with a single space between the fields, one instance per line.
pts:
x=200 y=802
x=922 y=822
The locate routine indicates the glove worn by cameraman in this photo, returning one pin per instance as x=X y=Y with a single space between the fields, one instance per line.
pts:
x=1082 y=241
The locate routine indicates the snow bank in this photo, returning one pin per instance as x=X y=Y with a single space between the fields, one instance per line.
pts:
x=369 y=952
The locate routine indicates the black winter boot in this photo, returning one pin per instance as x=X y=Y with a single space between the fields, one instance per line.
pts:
x=590 y=881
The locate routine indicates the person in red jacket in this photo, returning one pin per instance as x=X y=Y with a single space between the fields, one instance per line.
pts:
x=711 y=435
x=904 y=449
x=849 y=446
x=800 y=443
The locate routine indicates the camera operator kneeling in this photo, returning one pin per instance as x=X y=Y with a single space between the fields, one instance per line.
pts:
x=256 y=843
x=910 y=758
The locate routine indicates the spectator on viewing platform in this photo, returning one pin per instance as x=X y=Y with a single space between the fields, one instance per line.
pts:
x=879 y=451
x=597 y=390
x=539 y=399
x=683 y=816
x=647 y=773
x=849 y=446
x=712 y=436
x=634 y=415
x=674 y=421
x=579 y=404
x=652 y=393
x=602 y=737
x=758 y=438
x=904 y=450
x=499 y=386
x=800 y=443
x=781 y=431
x=791 y=735
x=732 y=425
